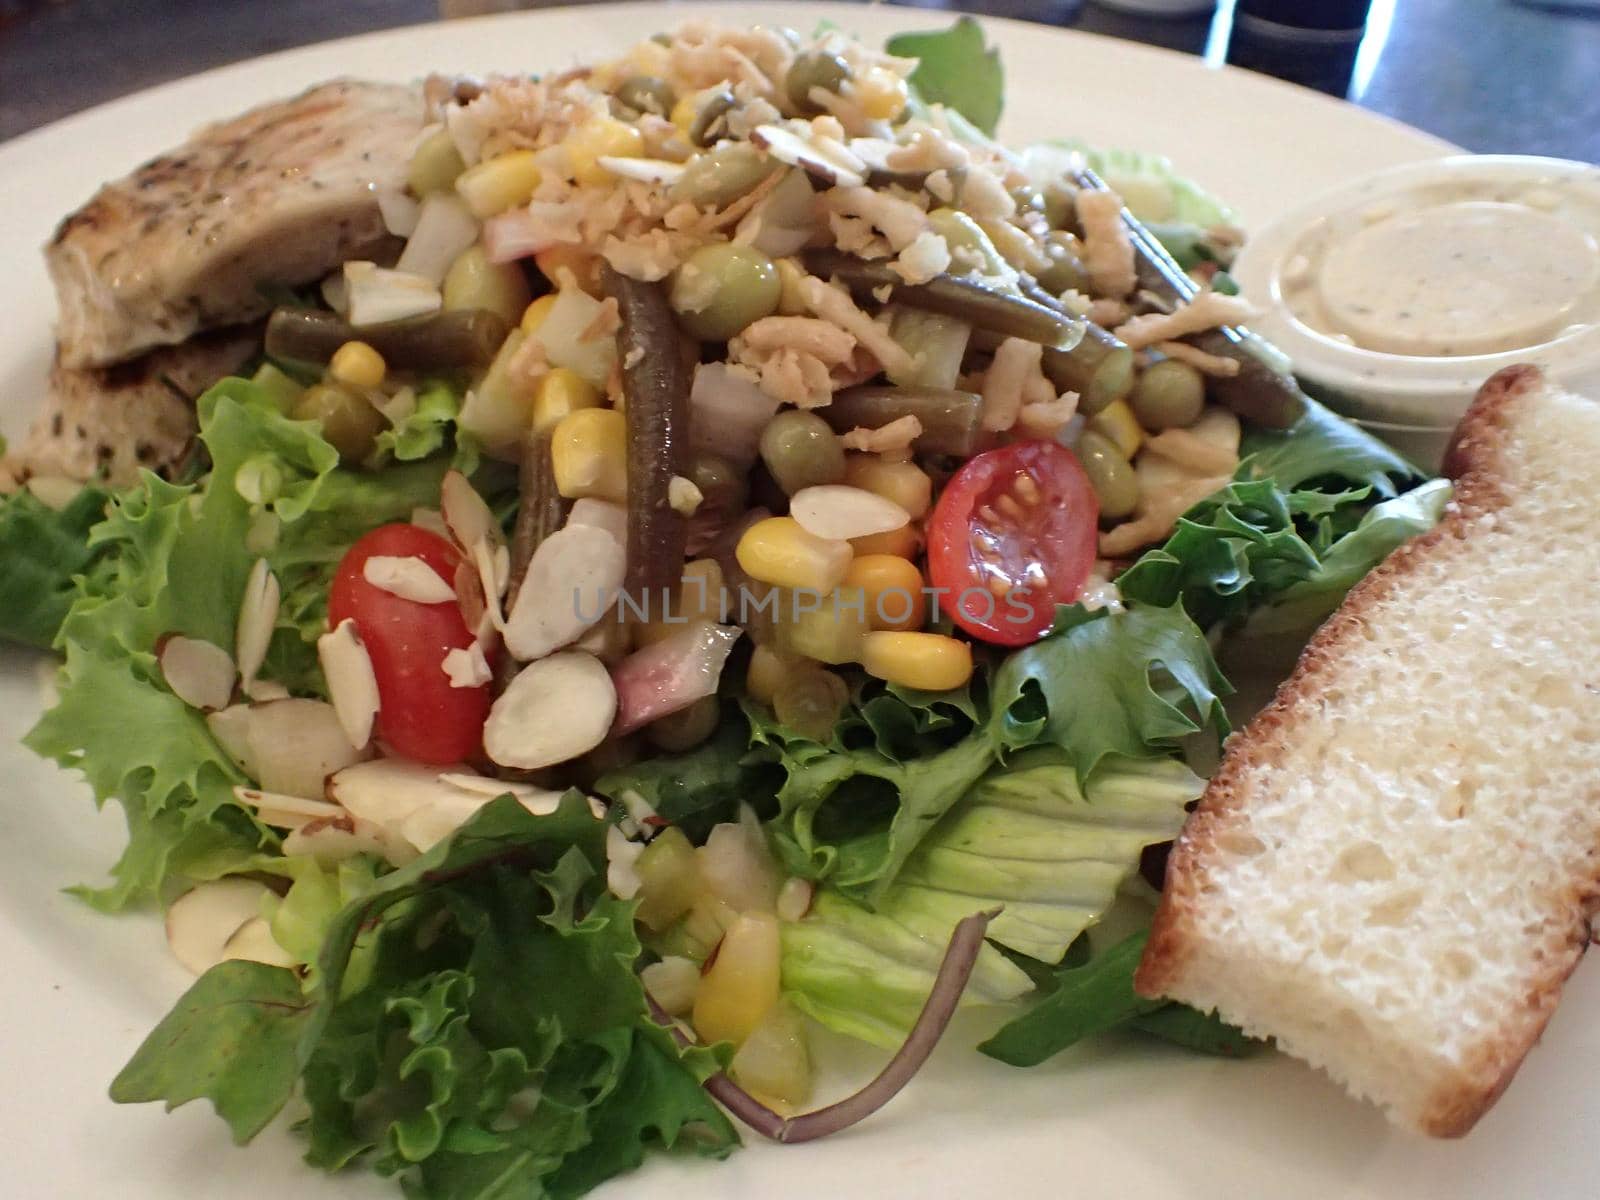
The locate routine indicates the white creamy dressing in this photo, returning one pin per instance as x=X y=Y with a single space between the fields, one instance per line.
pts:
x=1455 y=268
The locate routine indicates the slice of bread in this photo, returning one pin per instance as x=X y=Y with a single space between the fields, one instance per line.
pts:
x=1393 y=870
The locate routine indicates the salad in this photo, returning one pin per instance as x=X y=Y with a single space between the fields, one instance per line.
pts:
x=758 y=559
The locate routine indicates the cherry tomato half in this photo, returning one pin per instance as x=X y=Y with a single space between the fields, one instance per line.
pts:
x=420 y=715
x=1013 y=535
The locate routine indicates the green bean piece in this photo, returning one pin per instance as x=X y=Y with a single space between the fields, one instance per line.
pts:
x=801 y=451
x=810 y=703
x=647 y=94
x=1099 y=369
x=464 y=338
x=1168 y=395
x=655 y=390
x=1115 y=484
x=1257 y=393
x=935 y=342
x=711 y=120
x=962 y=234
x=1066 y=270
x=349 y=422
x=473 y=282
x=686 y=728
x=541 y=509
x=981 y=306
x=435 y=164
x=949 y=418
x=815 y=69
x=720 y=176
x=721 y=288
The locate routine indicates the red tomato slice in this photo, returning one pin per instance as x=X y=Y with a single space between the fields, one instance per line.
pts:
x=1013 y=535
x=420 y=715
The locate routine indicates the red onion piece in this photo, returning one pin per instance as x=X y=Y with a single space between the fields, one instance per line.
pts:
x=959 y=959
x=670 y=674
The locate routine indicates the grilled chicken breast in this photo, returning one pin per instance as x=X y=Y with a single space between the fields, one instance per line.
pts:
x=105 y=424
x=277 y=197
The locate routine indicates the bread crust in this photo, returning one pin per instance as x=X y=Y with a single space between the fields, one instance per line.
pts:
x=1475 y=462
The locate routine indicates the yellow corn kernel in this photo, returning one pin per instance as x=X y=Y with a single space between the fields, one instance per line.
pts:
x=905 y=483
x=570 y=257
x=791 y=297
x=357 y=365
x=561 y=393
x=596 y=138
x=881 y=93
x=588 y=451
x=534 y=315
x=699 y=598
x=903 y=542
x=929 y=662
x=499 y=183
x=780 y=551
x=1117 y=422
x=669 y=880
x=826 y=629
x=742 y=984
x=893 y=587
x=684 y=113
x=770 y=668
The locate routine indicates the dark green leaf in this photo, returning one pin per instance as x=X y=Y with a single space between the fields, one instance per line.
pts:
x=42 y=551
x=1204 y=1033
x=1323 y=447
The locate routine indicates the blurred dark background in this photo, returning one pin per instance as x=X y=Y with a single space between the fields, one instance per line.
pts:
x=1490 y=75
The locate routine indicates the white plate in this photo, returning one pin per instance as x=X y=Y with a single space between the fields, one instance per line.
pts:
x=1114 y=1119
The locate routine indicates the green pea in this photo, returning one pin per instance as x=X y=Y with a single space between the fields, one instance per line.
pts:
x=711 y=119
x=686 y=728
x=349 y=422
x=1066 y=269
x=720 y=176
x=810 y=703
x=1112 y=476
x=801 y=451
x=721 y=288
x=724 y=487
x=647 y=94
x=815 y=69
x=1168 y=395
x=473 y=282
x=435 y=164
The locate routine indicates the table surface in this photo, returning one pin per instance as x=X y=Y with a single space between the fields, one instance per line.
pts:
x=1490 y=75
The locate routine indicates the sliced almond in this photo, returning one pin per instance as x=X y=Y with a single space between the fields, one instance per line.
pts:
x=836 y=510
x=386 y=791
x=258 y=614
x=602 y=514
x=641 y=170
x=264 y=691
x=597 y=808
x=541 y=802
x=622 y=859
x=432 y=823
x=297 y=744
x=409 y=577
x=201 y=921
x=833 y=165
x=467 y=668
x=475 y=611
x=231 y=729
x=282 y=811
x=572 y=580
x=466 y=513
x=200 y=673
x=352 y=683
x=553 y=711
x=794 y=899
x=431 y=520
x=344 y=836
x=672 y=983
x=253 y=942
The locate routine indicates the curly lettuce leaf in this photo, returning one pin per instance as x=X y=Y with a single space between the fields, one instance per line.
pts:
x=1149 y=184
x=1101 y=684
x=1026 y=840
x=43 y=551
x=956 y=69
x=1323 y=446
x=427 y=429
x=475 y=1026
x=174 y=559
